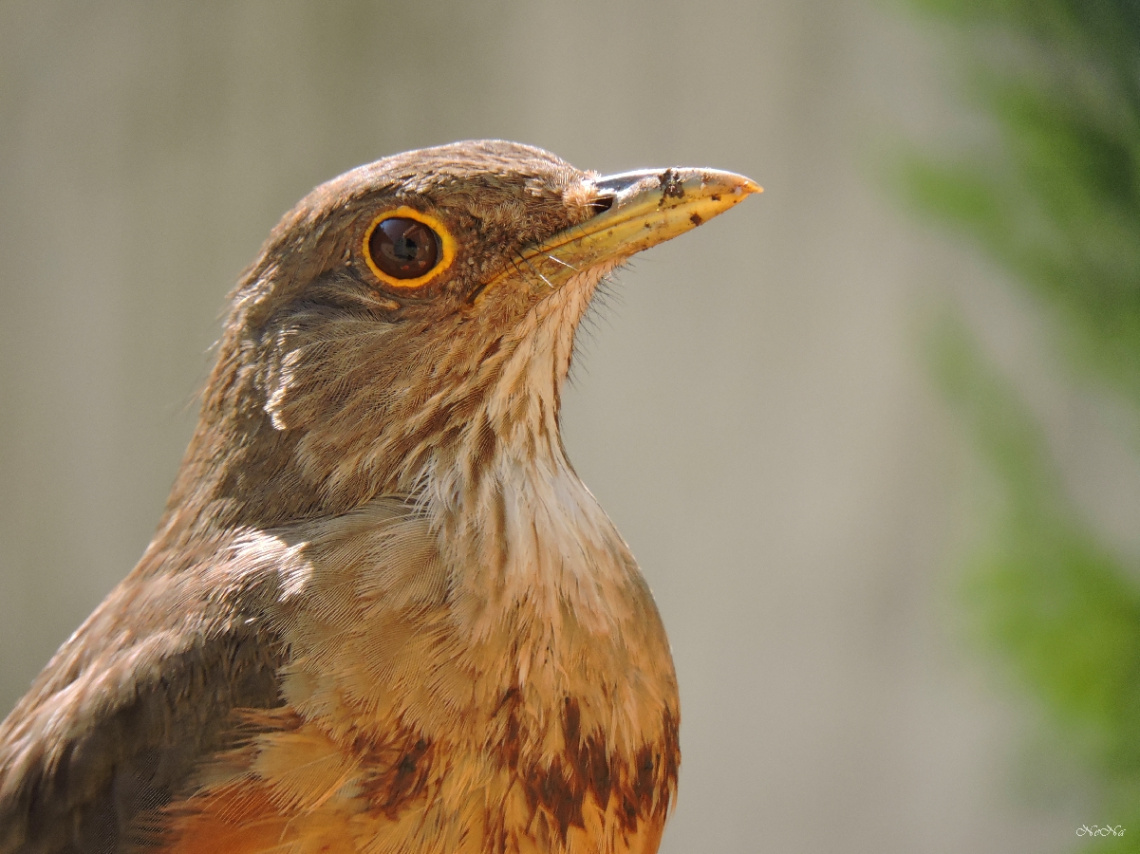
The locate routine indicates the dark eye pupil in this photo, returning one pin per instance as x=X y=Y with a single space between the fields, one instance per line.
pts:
x=403 y=248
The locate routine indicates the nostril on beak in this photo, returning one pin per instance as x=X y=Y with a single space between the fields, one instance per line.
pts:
x=602 y=204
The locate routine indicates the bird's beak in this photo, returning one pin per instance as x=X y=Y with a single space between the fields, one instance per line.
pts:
x=637 y=210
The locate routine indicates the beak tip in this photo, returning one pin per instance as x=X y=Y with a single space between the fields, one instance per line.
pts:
x=747 y=187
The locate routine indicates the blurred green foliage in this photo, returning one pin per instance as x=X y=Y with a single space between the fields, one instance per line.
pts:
x=1054 y=196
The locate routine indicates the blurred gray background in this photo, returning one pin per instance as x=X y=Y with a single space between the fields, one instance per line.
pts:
x=751 y=404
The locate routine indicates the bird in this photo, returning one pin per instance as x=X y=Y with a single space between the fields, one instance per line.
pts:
x=380 y=611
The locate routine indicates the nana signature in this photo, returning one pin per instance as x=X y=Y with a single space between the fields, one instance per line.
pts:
x=1097 y=830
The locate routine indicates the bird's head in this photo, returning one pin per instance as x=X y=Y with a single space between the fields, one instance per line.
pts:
x=417 y=315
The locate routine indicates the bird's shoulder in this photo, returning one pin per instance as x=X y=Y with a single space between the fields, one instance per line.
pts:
x=179 y=667
x=116 y=723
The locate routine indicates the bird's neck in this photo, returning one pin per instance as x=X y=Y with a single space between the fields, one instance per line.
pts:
x=529 y=538
x=507 y=504
x=472 y=434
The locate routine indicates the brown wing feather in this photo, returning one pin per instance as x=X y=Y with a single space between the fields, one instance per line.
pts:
x=114 y=725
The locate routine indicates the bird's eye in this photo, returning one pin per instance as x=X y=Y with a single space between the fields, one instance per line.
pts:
x=406 y=248
x=403 y=248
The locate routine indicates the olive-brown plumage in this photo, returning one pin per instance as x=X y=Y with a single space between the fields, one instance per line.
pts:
x=380 y=612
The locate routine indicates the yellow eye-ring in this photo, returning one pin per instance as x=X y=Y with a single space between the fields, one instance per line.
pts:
x=405 y=248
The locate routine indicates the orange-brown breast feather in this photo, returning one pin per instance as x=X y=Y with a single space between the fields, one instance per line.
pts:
x=398 y=734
